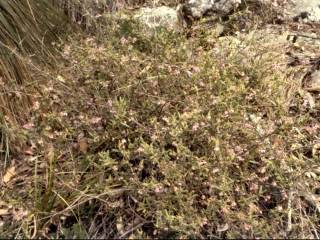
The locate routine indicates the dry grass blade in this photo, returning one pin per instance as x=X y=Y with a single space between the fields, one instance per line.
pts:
x=27 y=29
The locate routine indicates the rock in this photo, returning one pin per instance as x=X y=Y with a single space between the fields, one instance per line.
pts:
x=158 y=17
x=196 y=9
x=314 y=82
x=218 y=30
x=307 y=10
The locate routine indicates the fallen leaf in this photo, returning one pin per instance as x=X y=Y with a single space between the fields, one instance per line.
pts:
x=95 y=120
x=4 y=212
x=35 y=105
x=223 y=228
x=119 y=225
x=315 y=149
x=29 y=151
x=60 y=78
x=83 y=145
x=19 y=214
x=28 y=126
x=9 y=174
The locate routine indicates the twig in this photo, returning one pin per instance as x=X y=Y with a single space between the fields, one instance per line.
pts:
x=132 y=228
x=295 y=37
x=289 y=225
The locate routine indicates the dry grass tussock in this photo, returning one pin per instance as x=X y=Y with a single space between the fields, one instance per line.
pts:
x=166 y=136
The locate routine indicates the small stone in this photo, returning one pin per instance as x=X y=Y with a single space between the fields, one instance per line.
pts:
x=313 y=84
x=219 y=29
x=315 y=79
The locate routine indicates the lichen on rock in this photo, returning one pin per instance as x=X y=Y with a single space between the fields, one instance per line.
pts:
x=158 y=17
x=306 y=10
x=199 y=8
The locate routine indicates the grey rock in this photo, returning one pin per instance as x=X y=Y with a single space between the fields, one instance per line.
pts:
x=158 y=17
x=314 y=81
x=306 y=10
x=198 y=8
